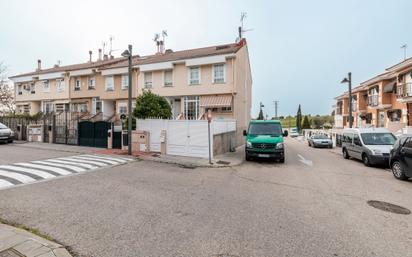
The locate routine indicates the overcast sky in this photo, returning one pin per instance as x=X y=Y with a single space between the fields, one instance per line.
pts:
x=299 y=50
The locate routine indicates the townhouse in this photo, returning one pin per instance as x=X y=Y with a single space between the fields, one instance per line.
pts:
x=382 y=101
x=216 y=78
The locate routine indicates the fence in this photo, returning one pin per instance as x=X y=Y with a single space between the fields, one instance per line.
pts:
x=184 y=137
x=14 y=121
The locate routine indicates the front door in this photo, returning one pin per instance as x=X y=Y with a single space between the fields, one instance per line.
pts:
x=357 y=147
x=381 y=119
x=409 y=114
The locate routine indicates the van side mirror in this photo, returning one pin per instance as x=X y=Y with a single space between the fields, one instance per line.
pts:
x=285 y=133
x=244 y=133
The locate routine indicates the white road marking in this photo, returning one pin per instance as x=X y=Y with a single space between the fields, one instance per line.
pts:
x=100 y=164
x=39 y=173
x=17 y=176
x=5 y=183
x=87 y=166
x=119 y=159
x=98 y=159
x=305 y=161
x=45 y=167
x=71 y=167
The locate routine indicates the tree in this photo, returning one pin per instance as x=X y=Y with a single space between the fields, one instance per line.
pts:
x=299 y=119
x=260 y=117
x=150 y=105
x=6 y=92
x=306 y=123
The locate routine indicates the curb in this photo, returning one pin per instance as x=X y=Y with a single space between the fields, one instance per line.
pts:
x=189 y=165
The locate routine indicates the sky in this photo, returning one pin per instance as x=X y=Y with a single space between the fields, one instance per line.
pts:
x=299 y=50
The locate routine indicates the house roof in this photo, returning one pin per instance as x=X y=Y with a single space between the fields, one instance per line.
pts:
x=181 y=55
x=138 y=60
x=401 y=65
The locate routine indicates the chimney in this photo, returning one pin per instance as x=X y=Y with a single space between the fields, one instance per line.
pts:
x=169 y=51
x=100 y=55
x=162 y=46
x=90 y=56
x=38 y=65
x=105 y=57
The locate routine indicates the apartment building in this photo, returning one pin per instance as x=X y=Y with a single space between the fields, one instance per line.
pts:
x=382 y=101
x=193 y=81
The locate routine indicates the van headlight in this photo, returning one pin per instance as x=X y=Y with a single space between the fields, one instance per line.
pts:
x=248 y=144
x=279 y=146
x=376 y=152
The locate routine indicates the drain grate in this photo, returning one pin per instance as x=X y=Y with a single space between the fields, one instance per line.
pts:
x=384 y=206
x=10 y=253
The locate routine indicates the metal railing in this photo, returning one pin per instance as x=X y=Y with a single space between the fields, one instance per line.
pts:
x=404 y=90
x=373 y=100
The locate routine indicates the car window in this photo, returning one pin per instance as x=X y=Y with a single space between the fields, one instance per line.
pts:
x=347 y=137
x=378 y=138
x=272 y=129
x=408 y=143
x=356 y=140
x=320 y=137
x=2 y=126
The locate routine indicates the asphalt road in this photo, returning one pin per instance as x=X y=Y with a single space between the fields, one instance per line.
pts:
x=313 y=205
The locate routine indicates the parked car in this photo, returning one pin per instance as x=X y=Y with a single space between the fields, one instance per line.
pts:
x=400 y=159
x=320 y=140
x=294 y=132
x=264 y=139
x=6 y=134
x=371 y=145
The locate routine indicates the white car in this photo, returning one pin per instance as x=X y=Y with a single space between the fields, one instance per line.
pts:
x=293 y=132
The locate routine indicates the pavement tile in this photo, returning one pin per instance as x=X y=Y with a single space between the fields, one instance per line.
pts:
x=61 y=252
x=11 y=241
x=31 y=248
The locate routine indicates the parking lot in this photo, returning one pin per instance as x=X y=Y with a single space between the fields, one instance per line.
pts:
x=313 y=205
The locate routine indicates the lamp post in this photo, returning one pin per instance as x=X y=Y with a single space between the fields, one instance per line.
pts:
x=128 y=54
x=349 y=81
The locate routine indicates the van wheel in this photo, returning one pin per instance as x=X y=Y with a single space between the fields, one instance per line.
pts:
x=282 y=160
x=248 y=158
x=345 y=154
x=397 y=171
x=366 y=161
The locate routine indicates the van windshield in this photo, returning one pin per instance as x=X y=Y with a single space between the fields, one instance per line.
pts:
x=378 y=138
x=271 y=129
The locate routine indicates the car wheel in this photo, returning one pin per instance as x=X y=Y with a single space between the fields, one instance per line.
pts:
x=365 y=160
x=309 y=144
x=345 y=154
x=397 y=171
x=10 y=141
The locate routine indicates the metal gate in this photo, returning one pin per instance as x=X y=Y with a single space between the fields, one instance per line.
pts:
x=93 y=134
x=65 y=128
x=47 y=126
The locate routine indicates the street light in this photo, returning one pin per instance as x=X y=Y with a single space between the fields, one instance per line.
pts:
x=349 y=81
x=128 y=54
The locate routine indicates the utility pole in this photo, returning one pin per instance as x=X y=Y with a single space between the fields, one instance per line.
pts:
x=276 y=103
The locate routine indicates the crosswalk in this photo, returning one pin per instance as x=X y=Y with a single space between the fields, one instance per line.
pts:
x=29 y=172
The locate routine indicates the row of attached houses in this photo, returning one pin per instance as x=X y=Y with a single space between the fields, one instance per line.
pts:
x=193 y=81
x=382 y=101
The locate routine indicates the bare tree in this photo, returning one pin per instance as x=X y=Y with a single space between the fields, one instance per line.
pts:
x=6 y=92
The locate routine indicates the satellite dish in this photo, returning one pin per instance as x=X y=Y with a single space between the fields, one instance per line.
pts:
x=156 y=37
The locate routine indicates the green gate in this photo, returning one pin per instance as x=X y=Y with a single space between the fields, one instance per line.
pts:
x=86 y=133
x=101 y=129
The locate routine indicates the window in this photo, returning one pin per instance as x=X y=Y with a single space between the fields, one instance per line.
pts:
x=92 y=83
x=59 y=107
x=270 y=129
x=168 y=78
x=46 y=86
x=26 y=109
x=122 y=109
x=408 y=143
x=109 y=83
x=47 y=107
x=378 y=138
x=227 y=109
x=218 y=73
x=19 y=90
x=194 y=75
x=148 y=80
x=60 y=85
x=125 y=81
x=77 y=84
x=32 y=88
x=191 y=104
x=356 y=140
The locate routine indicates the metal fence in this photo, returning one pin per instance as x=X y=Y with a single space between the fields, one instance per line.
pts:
x=19 y=123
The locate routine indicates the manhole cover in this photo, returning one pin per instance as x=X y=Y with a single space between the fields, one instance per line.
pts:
x=384 y=206
x=10 y=253
x=223 y=162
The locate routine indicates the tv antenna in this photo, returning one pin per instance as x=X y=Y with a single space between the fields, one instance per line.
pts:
x=241 y=29
x=405 y=48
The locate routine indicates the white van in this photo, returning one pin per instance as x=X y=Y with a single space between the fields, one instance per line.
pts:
x=371 y=145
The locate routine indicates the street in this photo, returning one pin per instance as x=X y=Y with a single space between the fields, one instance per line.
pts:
x=313 y=205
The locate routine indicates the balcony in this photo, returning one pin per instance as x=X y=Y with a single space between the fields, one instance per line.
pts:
x=373 y=100
x=404 y=90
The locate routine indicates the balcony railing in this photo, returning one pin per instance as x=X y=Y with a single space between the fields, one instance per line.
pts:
x=373 y=100
x=338 y=111
x=404 y=90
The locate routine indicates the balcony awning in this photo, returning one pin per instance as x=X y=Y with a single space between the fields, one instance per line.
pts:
x=390 y=87
x=216 y=101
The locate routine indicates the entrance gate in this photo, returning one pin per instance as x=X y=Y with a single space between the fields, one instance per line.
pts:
x=93 y=134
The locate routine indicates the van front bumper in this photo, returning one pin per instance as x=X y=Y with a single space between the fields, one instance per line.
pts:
x=277 y=154
x=379 y=159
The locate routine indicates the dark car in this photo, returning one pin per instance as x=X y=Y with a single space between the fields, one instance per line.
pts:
x=400 y=158
x=6 y=134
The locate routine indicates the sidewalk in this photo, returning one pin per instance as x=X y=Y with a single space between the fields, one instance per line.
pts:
x=15 y=242
x=58 y=147
x=225 y=160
